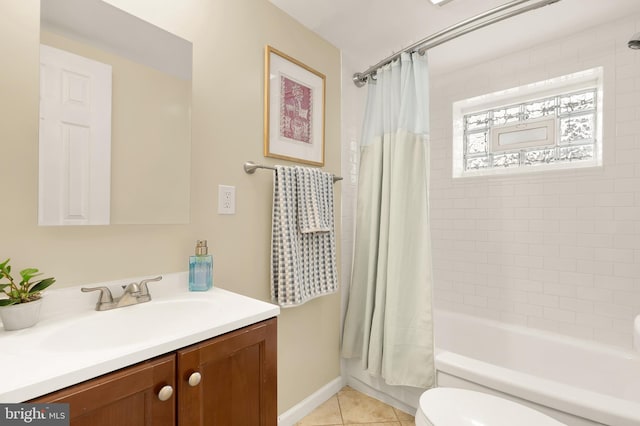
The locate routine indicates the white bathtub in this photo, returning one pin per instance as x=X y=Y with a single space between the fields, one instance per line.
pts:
x=575 y=381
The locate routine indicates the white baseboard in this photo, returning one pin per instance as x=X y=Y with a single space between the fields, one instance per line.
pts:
x=310 y=403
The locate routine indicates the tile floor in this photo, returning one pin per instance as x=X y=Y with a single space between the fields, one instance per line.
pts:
x=350 y=407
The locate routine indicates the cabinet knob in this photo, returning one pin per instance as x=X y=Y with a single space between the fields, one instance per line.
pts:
x=194 y=379
x=165 y=393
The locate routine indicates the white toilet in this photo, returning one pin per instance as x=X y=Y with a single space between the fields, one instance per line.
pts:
x=462 y=407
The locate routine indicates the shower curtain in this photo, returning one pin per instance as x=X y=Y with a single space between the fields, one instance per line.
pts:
x=388 y=322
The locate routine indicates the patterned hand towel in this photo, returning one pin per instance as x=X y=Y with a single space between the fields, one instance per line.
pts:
x=303 y=265
x=315 y=199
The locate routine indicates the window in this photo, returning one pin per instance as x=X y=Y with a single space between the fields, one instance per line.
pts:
x=547 y=125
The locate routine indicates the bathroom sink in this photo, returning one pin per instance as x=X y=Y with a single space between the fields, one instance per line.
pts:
x=131 y=325
x=80 y=343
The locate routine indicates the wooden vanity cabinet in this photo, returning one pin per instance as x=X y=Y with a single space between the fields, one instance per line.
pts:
x=238 y=383
x=229 y=380
x=127 y=397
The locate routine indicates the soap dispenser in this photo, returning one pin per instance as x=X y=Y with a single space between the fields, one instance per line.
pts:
x=201 y=268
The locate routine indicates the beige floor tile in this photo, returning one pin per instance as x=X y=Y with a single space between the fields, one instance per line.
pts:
x=328 y=414
x=402 y=415
x=408 y=423
x=358 y=408
x=374 y=424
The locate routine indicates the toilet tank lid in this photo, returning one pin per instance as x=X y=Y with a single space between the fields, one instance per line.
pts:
x=462 y=407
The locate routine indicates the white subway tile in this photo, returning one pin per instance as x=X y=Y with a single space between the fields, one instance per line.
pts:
x=629 y=298
x=613 y=310
x=464 y=288
x=594 y=294
x=597 y=322
x=594 y=240
x=614 y=283
x=559 y=314
x=448 y=295
x=576 y=252
x=594 y=213
x=544 y=250
x=627 y=213
x=575 y=279
x=560 y=238
x=529 y=261
x=558 y=264
x=626 y=241
x=560 y=188
x=549 y=200
x=514 y=272
x=528 y=238
x=541 y=299
x=560 y=289
x=544 y=275
x=576 y=200
x=594 y=267
x=629 y=270
x=528 y=286
x=615 y=199
x=500 y=305
x=528 y=310
x=575 y=305
x=529 y=213
x=614 y=255
x=561 y=213
x=540 y=226
x=474 y=300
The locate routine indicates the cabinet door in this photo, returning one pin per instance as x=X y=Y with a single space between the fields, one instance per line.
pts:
x=238 y=381
x=127 y=397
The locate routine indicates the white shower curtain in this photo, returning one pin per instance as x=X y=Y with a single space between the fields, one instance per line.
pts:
x=388 y=323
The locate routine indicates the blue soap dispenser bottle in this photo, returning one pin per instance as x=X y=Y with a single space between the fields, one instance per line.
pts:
x=201 y=268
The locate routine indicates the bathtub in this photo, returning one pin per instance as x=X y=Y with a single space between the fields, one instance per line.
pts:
x=577 y=382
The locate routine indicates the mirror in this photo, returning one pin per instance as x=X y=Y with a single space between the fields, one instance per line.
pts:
x=148 y=164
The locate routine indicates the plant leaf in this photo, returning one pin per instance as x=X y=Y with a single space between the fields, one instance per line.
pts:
x=27 y=274
x=7 y=302
x=41 y=285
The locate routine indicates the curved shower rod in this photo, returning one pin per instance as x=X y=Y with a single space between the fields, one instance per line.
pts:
x=454 y=31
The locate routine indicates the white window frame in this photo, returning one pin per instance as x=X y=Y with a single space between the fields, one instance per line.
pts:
x=575 y=82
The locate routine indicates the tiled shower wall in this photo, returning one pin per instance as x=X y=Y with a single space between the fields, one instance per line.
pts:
x=558 y=250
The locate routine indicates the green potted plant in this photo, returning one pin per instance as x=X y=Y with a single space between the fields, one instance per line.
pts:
x=20 y=306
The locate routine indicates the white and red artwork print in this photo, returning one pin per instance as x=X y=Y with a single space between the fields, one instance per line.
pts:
x=296 y=104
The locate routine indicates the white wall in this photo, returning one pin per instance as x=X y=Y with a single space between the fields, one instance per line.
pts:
x=558 y=250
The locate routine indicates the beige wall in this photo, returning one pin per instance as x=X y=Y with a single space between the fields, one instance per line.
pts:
x=229 y=38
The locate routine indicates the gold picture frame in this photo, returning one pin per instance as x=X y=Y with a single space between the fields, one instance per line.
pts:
x=294 y=109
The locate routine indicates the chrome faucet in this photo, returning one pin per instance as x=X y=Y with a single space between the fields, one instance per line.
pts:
x=132 y=294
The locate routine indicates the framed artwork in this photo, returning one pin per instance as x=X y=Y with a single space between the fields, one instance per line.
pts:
x=293 y=109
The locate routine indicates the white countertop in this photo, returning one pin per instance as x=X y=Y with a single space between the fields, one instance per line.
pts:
x=73 y=342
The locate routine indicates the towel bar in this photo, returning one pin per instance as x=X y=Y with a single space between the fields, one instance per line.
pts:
x=250 y=168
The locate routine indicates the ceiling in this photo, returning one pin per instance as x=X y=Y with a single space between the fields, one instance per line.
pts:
x=367 y=31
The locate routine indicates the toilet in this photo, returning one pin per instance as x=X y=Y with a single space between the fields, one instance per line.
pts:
x=462 y=407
